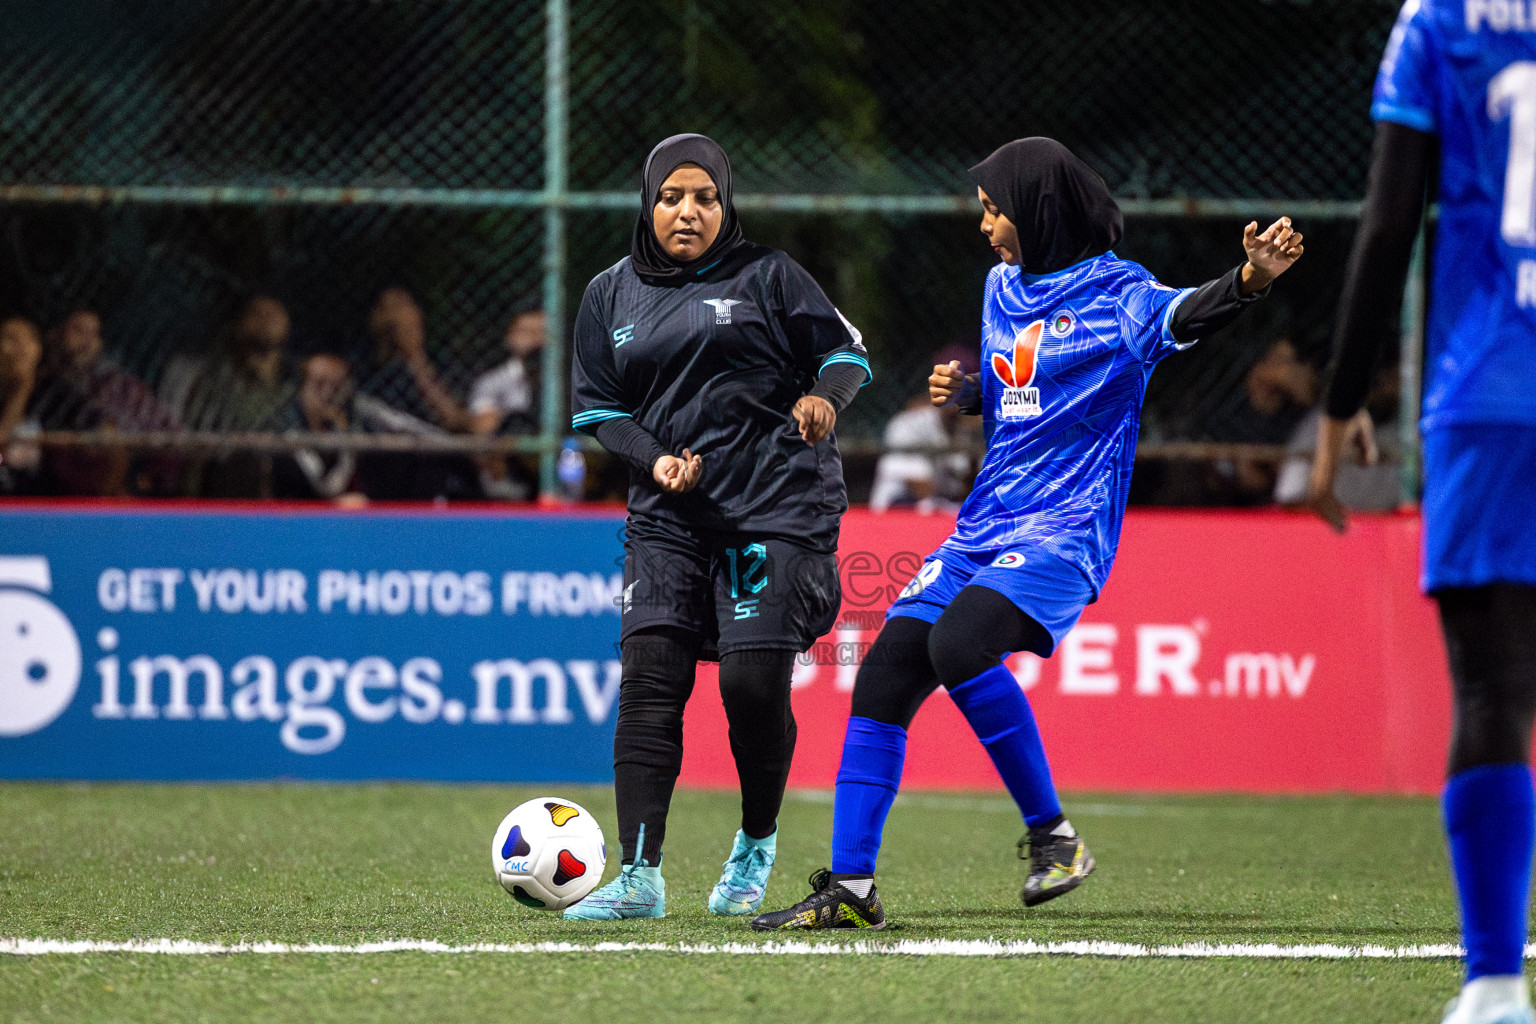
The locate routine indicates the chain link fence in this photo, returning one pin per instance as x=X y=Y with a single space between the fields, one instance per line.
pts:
x=275 y=205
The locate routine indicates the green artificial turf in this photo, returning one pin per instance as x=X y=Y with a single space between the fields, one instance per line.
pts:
x=348 y=864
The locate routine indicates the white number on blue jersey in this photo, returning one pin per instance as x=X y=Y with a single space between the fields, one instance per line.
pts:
x=1512 y=93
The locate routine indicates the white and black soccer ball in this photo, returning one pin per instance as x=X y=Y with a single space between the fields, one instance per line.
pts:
x=548 y=853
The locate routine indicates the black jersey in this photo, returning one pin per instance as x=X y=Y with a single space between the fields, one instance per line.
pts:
x=715 y=364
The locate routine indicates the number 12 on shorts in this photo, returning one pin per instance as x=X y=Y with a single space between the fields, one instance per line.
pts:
x=748 y=574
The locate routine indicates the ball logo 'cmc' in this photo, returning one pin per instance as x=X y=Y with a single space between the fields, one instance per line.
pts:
x=560 y=813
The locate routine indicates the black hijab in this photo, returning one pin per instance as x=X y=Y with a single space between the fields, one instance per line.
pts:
x=1062 y=209
x=645 y=250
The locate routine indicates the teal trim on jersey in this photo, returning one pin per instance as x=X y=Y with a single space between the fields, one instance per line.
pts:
x=848 y=357
x=1410 y=117
x=712 y=266
x=587 y=421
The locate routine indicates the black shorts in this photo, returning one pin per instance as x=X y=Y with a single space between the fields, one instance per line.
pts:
x=737 y=591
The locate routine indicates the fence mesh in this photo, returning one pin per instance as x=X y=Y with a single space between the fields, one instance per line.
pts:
x=162 y=164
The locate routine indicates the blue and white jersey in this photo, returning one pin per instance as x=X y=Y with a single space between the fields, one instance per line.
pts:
x=1065 y=362
x=1465 y=70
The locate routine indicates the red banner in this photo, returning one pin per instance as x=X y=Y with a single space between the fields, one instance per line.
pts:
x=1251 y=652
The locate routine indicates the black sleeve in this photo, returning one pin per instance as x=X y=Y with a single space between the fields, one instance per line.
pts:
x=838 y=383
x=597 y=393
x=1212 y=306
x=970 y=395
x=629 y=441
x=1370 y=307
x=819 y=336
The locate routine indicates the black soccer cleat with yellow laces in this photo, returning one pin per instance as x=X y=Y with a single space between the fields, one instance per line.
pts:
x=1059 y=862
x=838 y=901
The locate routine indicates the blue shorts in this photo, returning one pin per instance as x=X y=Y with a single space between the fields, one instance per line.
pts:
x=1046 y=588
x=1479 y=506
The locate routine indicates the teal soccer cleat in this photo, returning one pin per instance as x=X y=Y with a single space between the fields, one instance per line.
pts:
x=744 y=881
x=638 y=892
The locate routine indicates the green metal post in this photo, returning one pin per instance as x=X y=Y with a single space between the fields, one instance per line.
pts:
x=555 y=423
x=1410 y=371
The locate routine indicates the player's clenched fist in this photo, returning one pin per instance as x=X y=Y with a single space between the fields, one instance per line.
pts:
x=677 y=475
x=816 y=418
x=944 y=383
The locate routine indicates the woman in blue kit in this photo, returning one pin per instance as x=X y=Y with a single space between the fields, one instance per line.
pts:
x=1070 y=335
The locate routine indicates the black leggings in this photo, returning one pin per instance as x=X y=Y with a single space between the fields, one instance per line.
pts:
x=910 y=657
x=658 y=678
x=1490 y=635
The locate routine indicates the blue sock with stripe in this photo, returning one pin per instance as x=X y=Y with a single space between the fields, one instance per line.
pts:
x=1490 y=820
x=873 y=755
x=1000 y=716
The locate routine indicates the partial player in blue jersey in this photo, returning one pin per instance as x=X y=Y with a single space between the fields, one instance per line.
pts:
x=1070 y=336
x=1457 y=88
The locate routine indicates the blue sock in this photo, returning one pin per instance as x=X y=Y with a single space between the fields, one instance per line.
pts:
x=1490 y=819
x=1000 y=716
x=873 y=755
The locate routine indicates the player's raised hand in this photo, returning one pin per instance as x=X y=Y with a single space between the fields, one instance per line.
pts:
x=678 y=475
x=1270 y=253
x=816 y=418
x=945 y=382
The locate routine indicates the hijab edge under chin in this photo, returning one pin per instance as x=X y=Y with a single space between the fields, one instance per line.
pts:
x=648 y=256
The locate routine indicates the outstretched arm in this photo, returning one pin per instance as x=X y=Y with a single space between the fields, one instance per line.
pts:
x=1373 y=294
x=1217 y=303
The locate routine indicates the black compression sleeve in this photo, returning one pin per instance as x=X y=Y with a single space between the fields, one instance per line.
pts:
x=629 y=441
x=838 y=384
x=1373 y=286
x=970 y=395
x=1212 y=306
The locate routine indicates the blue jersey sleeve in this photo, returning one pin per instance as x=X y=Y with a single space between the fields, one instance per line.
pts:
x=1145 y=309
x=1405 y=90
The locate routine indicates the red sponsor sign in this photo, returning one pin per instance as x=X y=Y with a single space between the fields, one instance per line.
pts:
x=1253 y=652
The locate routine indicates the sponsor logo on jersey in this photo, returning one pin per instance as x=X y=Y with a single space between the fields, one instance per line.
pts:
x=623 y=335
x=1021 y=399
x=722 y=308
x=1008 y=560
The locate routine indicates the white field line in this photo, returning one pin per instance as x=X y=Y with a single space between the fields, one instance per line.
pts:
x=903 y=947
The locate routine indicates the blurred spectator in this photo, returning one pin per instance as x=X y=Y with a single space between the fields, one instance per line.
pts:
x=83 y=388
x=924 y=471
x=21 y=351
x=1277 y=393
x=242 y=388
x=1371 y=481
x=249 y=378
x=325 y=402
x=506 y=400
x=399 y=372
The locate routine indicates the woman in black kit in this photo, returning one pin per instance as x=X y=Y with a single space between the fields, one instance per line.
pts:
x=715 y=369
